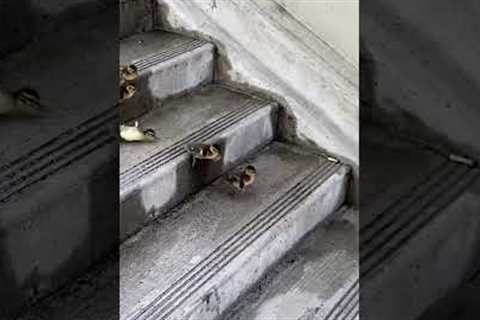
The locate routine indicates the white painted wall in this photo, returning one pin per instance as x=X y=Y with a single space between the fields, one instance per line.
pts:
x=334 y=21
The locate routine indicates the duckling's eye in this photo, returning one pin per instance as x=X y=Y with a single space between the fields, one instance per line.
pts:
x=150 y=132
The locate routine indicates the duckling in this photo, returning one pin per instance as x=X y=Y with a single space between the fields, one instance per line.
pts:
x=241 y=181
x=135 y=134
x=126 y=92
x=202 y=151
x=128 y=73
x=25 y=100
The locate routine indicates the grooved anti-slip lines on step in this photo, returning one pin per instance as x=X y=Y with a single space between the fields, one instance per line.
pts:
x=167 y=302
x=417 y=210
x=347 y=305
x=177 y=149
x=55 y=154
x=157 y=58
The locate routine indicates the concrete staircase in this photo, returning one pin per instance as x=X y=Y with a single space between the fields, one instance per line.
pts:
x=67 y=155
x=420 y=231
x=194 y=247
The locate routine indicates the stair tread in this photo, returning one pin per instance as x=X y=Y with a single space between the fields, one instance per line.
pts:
x=180 y=117
x=318 y=279
x=159 y=44
x=163 y=252
x=62 y=75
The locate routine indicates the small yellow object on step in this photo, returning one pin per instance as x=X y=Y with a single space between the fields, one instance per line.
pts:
x=135 y=134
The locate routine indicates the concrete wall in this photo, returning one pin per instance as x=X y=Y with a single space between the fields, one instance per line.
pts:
x=335 y=22
x=261 y=44
x=425 y=75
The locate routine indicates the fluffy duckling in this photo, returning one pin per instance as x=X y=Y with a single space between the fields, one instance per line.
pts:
x=126 y=92
x=128 y=73
x=135 y=134
x=25 y=100
x=244 y=179
x=203 y=152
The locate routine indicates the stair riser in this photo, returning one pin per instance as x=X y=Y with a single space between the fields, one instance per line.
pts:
x=166 y=186
x=247 y=268
x=136 y=16
x=172 y=77
x=426 y=267
x=65 y=226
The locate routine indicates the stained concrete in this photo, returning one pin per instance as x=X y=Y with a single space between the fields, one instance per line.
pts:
x=462 y=303
x=57 y=180
x=56 y=228
x=74 y=85
x=420 y=238
x=156 y=176
x=179 y=245
x=136 y=16
x=94 y=295
x=169 y=64
x=261 y=45
x=426 y=69
x=312 y=281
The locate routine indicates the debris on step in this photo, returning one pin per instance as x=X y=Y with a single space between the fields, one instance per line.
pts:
x=463 y=160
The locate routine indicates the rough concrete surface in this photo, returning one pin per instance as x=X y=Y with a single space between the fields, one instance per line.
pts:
x=460 y=304
x=61 y=157
x=261 y=45
x=55 y=229
x=156 y=263
x=310 y=281
x=169 y=64
x=156 y=176
x=136 y=16
x=74 y=85
x=420 y=243
x=426 y=77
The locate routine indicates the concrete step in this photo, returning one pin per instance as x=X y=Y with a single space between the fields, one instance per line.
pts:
x=64 y=155
x=154 y=177
x=75 y=97
x=195 y=262
x=416 y=248
x=460 y=304
x=168 y=64
x=45 y=241
x=136 y=16
x=94 y=295
x=318 y=279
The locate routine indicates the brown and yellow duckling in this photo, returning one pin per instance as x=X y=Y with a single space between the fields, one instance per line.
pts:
x=244 y=179
x=136 y=134
x=126 y=92
x=128 y=73
x=203 y=151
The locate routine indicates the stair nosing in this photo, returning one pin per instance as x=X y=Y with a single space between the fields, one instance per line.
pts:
x=41 y=161
x=308 y=183
x=413 y=192
x=158 y=58
x=375 y=257
x=344 y=301
x=177 y=149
